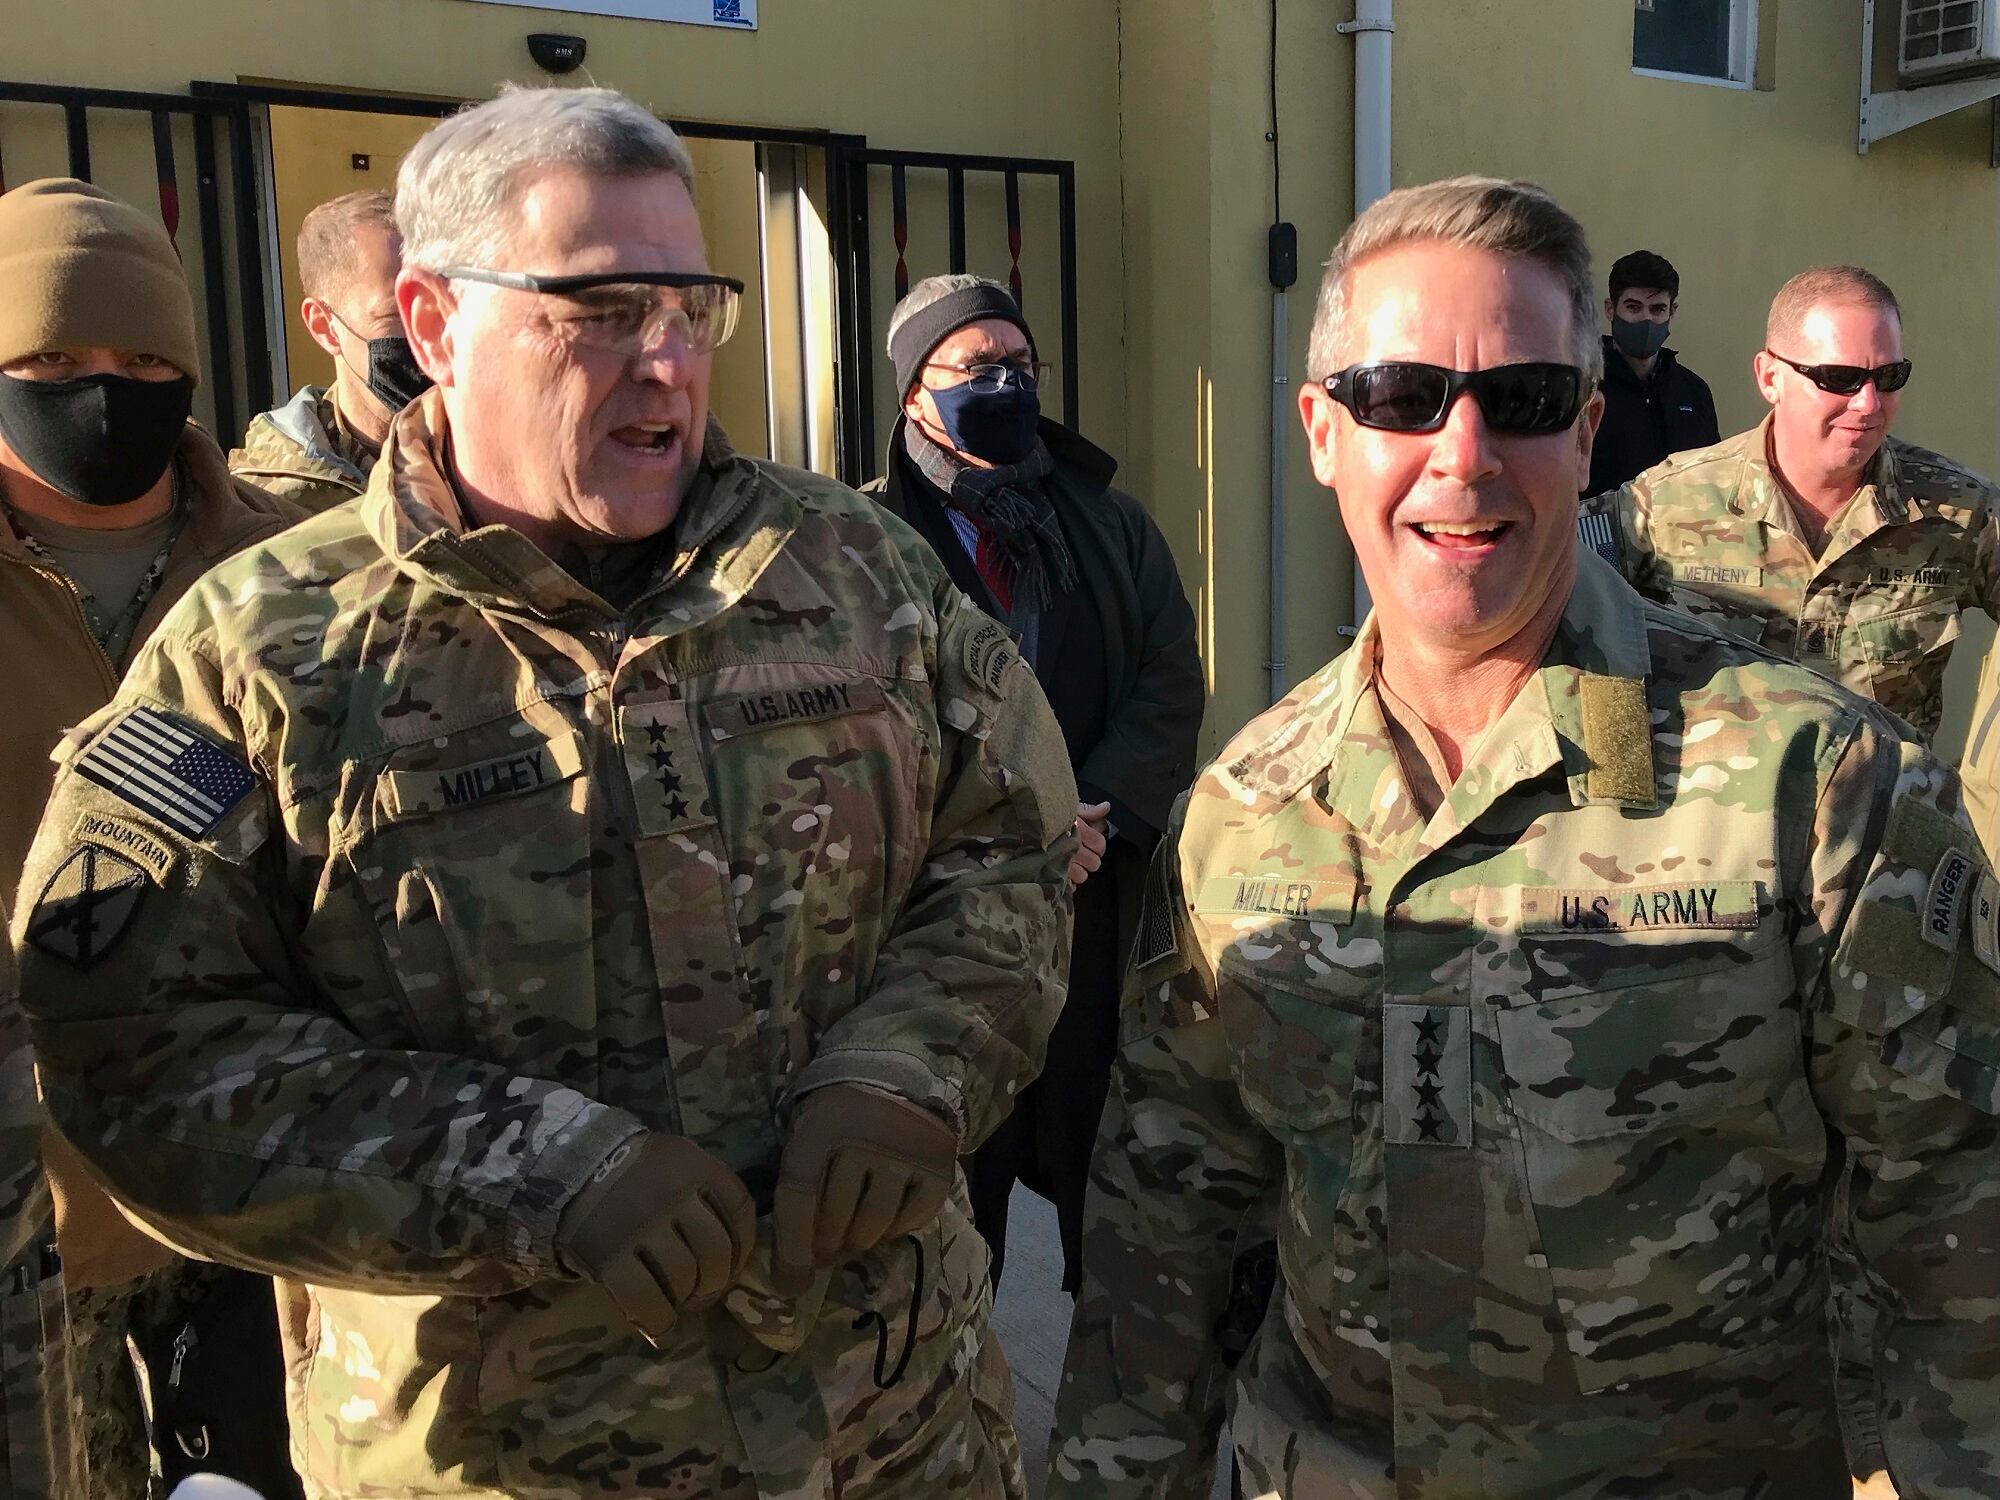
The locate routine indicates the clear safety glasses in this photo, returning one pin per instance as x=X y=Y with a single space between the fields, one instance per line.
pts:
x=629 y=312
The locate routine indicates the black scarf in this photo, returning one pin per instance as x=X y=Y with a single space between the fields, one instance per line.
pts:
x=1010 y=503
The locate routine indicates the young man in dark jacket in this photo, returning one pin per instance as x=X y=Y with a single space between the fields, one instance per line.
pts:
x=1023 y=514
x=1653 y=404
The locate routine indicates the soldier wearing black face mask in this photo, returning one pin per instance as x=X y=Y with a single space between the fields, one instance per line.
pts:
x=1024 y=516
x=111 y=504
x=1653 y=404
x=317 y=449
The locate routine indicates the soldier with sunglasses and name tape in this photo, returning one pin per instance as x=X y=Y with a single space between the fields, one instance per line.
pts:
x=1816 y=534
x=566 y=912
x=1821 y=537
x=1530 y=967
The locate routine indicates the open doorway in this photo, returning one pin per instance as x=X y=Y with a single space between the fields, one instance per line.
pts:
x=763 y=210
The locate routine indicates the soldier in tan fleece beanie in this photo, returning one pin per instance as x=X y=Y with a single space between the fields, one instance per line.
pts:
x=83 y=269
x=111 y=505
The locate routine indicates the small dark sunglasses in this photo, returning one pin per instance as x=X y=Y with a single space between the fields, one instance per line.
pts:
x=1845 y=380
x=1522 y=400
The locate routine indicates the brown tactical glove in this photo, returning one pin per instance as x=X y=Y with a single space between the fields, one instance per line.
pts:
x=862 y=1166
x=663 y=1227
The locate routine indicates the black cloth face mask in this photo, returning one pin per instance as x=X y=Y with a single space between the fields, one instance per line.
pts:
x=100 y=439
x=393 y=372
x=394 y=377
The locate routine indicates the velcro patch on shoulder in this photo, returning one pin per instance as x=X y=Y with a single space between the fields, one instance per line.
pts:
x=1888 y=943
x=168 y=770
x=989 y=654
x=1918 y=834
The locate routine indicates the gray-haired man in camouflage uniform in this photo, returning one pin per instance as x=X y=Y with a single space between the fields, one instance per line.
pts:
x=567 y=912
x=1530 y=965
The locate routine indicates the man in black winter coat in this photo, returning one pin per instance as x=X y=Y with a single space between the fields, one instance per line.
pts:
x=1022 y=512
x=1653 y=404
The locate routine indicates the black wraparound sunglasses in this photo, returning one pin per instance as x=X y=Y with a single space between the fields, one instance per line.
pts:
x=1521 y=400
x=1846 y=380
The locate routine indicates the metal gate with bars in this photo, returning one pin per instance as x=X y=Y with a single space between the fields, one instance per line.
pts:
x=876 y=212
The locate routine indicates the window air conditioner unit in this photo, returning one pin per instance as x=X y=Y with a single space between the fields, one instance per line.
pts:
x=1942 y=37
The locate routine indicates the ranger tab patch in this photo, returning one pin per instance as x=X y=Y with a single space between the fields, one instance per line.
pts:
x=159 y=765
x=87 y=905
x=1944 y=902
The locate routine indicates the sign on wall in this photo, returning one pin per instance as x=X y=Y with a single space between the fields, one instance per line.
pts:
x=739 y=14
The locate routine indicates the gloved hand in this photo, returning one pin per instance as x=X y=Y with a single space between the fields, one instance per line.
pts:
x=862 y=1165
x=663 y=1227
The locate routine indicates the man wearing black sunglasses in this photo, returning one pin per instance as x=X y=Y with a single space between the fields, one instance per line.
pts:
x=1530 y=967
x=1816 y=533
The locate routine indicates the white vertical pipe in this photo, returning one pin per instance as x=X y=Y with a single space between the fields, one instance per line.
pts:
x=1282 y=417
x=1373 y=29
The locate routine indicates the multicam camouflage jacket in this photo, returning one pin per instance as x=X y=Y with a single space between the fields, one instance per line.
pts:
x=406 y=879
x=1712 y=532
x=305 y=452
x=1544 y=1092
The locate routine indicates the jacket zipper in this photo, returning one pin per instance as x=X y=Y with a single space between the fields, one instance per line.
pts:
x=56 y=576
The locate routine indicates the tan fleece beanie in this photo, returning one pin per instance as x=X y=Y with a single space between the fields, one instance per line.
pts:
x=81 y=268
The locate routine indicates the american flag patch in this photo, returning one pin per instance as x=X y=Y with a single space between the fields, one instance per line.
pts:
x=167 y=770
x=1600 y=536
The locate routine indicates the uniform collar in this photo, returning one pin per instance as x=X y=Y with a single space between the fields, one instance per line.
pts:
x=1586 y=709
x=218 y=516
x=734 y=522
x=1759 y=496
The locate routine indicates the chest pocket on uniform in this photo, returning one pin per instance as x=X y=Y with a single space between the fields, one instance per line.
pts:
x=478 y=872
x=1888 y=652
x=817 y=772
x=1672 y=1147
x=1303 y=1016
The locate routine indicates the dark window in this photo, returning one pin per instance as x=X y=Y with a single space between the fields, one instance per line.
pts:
x=1684 y=36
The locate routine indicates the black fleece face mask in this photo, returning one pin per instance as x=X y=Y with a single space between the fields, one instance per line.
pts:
x=100 y=439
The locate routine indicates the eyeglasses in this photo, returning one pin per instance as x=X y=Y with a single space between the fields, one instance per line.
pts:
x=628 y=312
x=1522 y=400
x=989 y=376
x=1847 y=380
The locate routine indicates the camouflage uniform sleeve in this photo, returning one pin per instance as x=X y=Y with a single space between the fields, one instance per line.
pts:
x=974 y=971
x=1182 y=1180
x=184 y=1055
x=24 y=1190
x=1904 y=1050
x=1986 y=555
x=1617 y=526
